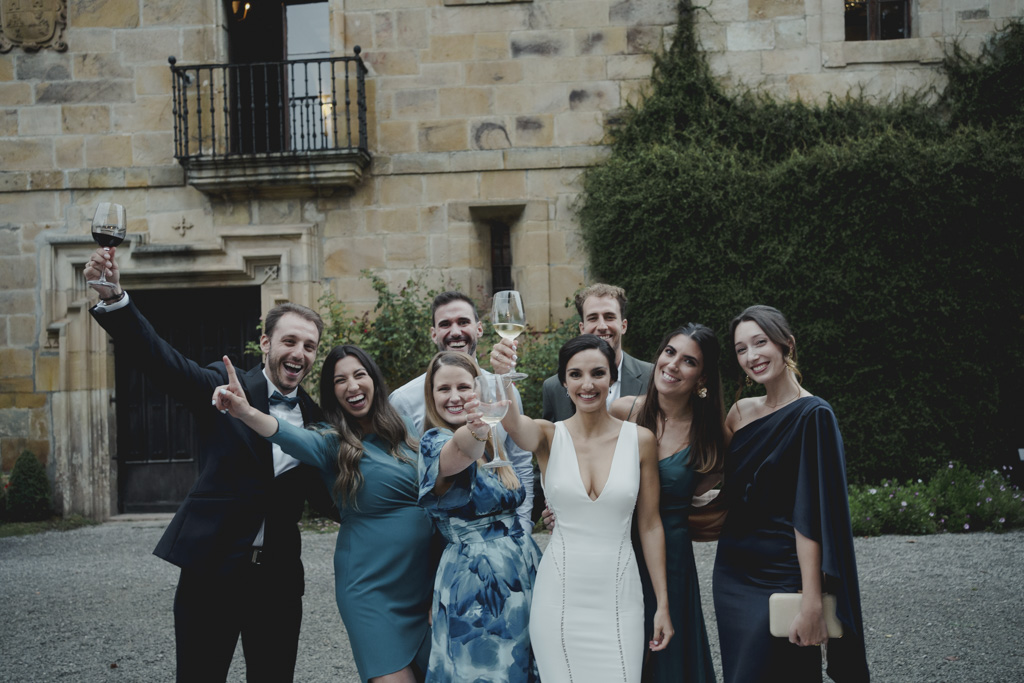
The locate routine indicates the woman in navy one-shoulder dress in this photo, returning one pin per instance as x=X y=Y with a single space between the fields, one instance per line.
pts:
x=788 y=527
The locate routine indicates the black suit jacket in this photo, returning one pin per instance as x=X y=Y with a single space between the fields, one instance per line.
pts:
x=636 y=375
x=236 y=489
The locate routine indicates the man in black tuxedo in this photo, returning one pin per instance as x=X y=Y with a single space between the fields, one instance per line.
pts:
x=235 y=536
x=602 y=310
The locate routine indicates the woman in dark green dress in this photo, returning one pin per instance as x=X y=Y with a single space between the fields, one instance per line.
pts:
x=368 y=456
x=684 y=408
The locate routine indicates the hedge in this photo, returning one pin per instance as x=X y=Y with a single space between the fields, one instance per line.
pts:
x=890 y=235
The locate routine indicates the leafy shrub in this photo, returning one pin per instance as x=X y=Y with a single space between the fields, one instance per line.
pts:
x=396 y=334
x=888 y=234
x=28 y=495
x=954 y=500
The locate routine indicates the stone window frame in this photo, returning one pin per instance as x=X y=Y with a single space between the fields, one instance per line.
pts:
x=77 y=356
x=872 y=7
x=837 y=53
x=505 y=216
x=529 y=222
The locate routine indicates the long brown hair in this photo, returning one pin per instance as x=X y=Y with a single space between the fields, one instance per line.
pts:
x=506 y=475
x=707 y=425
x=385 y=420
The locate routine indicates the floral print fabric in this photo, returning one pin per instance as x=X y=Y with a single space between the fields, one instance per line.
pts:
x=484 y=582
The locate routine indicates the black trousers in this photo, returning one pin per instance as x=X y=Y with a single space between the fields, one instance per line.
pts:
x=210 y=613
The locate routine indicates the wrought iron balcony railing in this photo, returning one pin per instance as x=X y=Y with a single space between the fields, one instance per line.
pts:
x=272 y=115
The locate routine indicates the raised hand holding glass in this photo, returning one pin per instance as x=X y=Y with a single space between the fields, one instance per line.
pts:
x=109 y=228
x=493 y=399
x=509 y=320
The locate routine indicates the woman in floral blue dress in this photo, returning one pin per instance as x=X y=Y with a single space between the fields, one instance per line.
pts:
x=484 y=583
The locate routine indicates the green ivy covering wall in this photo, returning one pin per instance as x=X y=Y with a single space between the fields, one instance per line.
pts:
x=890 y=235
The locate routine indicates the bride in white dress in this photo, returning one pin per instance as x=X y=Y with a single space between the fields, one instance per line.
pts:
x=587 y=615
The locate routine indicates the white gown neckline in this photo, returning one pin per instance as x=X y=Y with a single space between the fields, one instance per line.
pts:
x=611 y=465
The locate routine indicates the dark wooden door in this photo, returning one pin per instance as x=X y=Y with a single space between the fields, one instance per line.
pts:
x=157 y=441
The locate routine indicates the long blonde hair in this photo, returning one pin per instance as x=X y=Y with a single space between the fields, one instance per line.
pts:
x=385 y=420
x=506 y=475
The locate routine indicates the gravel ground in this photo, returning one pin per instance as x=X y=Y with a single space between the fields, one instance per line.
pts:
x=95 y=605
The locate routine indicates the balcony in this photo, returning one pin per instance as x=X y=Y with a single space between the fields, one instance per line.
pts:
x=288 y=128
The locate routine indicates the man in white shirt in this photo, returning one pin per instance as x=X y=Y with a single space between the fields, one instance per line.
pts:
x=457 y=327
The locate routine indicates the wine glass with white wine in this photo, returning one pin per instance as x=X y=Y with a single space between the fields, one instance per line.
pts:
x=490 y=392
x=509 y=320
x=109 y=228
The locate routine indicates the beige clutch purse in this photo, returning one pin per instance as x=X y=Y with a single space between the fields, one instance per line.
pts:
x=783 y=608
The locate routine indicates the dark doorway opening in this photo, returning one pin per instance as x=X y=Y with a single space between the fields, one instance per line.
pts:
x=272 y=103
x=157 y=437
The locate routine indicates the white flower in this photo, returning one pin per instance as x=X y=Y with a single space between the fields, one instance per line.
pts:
x=872 y=491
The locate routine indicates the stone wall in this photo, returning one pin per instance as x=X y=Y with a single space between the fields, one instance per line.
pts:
x=479 y=110
x=797 y=48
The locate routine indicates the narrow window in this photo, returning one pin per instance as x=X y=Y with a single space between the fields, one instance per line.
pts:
x=877 y=19
x=501 y=257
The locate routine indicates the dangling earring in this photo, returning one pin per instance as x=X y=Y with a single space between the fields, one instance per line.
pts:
x=567 y=393
x=702 y=392
x=749 y=382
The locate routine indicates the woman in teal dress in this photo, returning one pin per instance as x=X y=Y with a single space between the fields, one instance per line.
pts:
x=685 y=409
x=484 y=583
x=368 y=457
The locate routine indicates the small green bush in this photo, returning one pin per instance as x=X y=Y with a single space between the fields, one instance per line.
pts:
x=954 y=500
x=28 y=495
x=396 y=334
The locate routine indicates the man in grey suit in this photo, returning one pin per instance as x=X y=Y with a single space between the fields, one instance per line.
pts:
x=602 y=310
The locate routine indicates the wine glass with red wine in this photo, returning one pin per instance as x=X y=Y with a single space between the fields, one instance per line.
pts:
x=109 y=228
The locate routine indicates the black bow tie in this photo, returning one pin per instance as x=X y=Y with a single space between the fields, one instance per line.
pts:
x=289 y=401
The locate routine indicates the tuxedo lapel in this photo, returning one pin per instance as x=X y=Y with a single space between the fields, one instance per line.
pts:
x=254 y=383
x=310 y=410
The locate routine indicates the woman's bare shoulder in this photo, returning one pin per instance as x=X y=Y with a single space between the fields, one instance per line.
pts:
x=626 y=407
x=741 y=412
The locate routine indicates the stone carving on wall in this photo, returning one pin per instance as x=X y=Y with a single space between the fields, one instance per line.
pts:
x=33 y=24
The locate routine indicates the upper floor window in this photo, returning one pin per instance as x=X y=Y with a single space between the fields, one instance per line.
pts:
x=282 y=115
x=877 y=19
